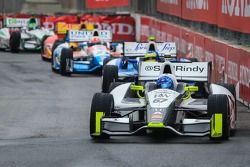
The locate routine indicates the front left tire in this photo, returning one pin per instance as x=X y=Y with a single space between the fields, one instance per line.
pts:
x=102 y=105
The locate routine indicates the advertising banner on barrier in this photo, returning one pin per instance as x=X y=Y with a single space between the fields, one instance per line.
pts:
x=233 y=62
x=199 y=46
x=145 y=28
x=220 y=62
x=244 y=75
x=186 y=43
x=229 y=64
x=230 y=14
x=202 y=10
x=123 y=27
x=209 y=54
x=172 y=7
x=49 y=22
x=98 y=4
x=234 y=14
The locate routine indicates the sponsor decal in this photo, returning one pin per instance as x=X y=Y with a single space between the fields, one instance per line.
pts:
x=162 y=95
x=157 y=116
x=232 y=70
x=159 y=100
x=140 y=46
x=153 y=68
x=189 y=69
x=173 y=2
x=244 y=76
x=14 y=22
x=194 y=4
x=236 y=7
x=117 y=28
x=79 y=34
x=168 y=47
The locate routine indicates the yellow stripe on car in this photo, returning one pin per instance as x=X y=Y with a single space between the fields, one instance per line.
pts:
x=216 y=125
x=98 y=117
x=155 y=125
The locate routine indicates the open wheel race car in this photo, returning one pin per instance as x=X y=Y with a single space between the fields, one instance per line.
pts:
x=126 y=68
x=78 y=54
x=203 y=109
x=17 y=35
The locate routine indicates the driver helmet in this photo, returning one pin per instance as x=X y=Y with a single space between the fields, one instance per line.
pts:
x=32 y=23
x=165 y=82
x=151 y=38
x=95 y=40
x=152 y=56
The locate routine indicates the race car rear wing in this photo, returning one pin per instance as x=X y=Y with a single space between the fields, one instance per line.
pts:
x=17 y=22
x=136 y=49
x=192 y=71
x=188 y=71
x=85 y=36
x=62 y=28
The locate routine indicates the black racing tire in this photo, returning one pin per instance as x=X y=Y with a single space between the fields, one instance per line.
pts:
x=42 y=47
x=52 y=65
x=110 y=74
x=113 y=85
x=219 y=104
x=65 y=61
x=231 y=88
x=15 y=40
x=105 y=61
x=101 y=102
x=56 y=43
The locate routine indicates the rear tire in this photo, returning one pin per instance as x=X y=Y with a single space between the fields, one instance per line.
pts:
x=101 y=102
x=15 y=40
x=56 y=43
x=110 y=74
x=219 y=104
x=42 y=47
x=66 y=61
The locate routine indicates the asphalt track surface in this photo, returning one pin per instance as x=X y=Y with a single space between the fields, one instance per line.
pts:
x=44 y=122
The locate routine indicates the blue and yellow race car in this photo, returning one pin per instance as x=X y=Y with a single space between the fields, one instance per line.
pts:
x=126 y=68
x=82 y=52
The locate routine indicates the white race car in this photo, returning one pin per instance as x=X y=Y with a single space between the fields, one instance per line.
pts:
x=195 y=107
x=17 y=36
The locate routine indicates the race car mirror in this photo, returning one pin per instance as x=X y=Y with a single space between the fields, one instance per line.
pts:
x=136 y=87
x=191 y=88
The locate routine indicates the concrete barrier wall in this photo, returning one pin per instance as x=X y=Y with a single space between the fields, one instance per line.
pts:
x=231 y=63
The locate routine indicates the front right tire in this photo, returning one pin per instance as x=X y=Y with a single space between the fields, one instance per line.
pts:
x=218 y=104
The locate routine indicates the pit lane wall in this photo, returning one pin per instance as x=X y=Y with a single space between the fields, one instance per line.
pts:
x=231 y=63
